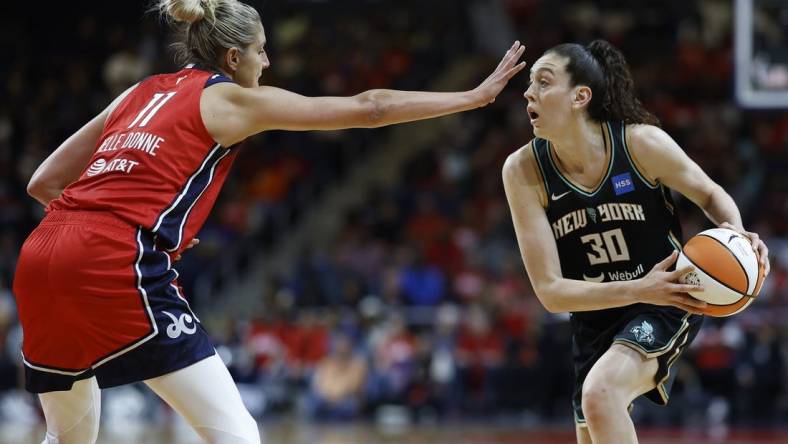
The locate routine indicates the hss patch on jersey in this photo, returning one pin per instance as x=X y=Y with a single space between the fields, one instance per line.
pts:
x=622 y=184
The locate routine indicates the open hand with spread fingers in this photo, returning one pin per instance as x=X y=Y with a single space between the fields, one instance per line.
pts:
x=493 y=85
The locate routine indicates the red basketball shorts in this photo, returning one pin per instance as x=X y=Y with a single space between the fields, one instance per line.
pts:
x=96 y=297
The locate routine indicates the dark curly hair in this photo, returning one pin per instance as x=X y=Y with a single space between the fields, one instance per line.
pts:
x=602 y=67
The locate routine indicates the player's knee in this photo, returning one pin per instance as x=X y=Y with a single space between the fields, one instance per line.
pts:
x=599 y=400
x=85 y=431
x=252 y=430
x=241 y=430
x=249 y=429
x=72 y=437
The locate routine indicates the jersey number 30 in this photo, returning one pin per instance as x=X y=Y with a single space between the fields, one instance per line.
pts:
x=609 y=246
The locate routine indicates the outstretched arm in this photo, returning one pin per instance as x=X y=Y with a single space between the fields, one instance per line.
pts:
x=232 y=113
x=663 y=160
x=540 y=256
x=68 y=161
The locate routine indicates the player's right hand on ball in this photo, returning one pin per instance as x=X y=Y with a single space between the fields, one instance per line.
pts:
x=662 y=287
x=506 y=69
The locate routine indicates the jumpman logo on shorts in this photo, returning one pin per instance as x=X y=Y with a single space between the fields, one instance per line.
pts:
x=179 y=326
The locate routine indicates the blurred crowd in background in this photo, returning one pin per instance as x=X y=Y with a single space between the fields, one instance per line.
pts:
x=420 y=308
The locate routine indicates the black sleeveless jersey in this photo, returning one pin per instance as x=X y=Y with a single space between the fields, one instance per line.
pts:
x=617 y=231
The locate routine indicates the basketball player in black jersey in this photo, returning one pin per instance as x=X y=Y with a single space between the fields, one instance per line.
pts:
x=598 y=231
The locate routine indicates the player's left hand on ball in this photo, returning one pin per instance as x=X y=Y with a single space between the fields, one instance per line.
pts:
x=192 y=243
x=760 y=248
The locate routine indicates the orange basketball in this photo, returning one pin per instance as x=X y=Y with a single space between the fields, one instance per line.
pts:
x=727 y=267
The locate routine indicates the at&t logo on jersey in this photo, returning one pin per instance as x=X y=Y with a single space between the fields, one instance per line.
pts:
x=622 y=184
x=96 y=168
x=101 y=166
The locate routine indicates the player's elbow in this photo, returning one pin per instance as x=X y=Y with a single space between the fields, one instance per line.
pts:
x=550 y=305
x=548 y=299
x=549 y=295
x=372 y=109
x=39 y=190
x=35 y=188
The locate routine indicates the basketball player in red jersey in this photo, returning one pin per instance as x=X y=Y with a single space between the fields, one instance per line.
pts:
x=97 y=296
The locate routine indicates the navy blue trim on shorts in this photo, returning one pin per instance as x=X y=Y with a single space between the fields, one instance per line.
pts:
x=37 y=381
x=179 y=339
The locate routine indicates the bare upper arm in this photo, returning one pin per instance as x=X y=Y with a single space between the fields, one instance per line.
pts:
x=663 y=160
x=231 y=113
x=524 y=190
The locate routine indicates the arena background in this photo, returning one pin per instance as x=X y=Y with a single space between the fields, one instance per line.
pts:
x=392 y=249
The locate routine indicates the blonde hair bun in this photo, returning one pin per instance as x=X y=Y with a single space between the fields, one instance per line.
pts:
x=189 y=11
x=205 y=29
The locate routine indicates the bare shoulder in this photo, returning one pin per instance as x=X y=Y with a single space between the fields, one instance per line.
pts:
x=656 y=153
x=221 y=107
x=648 y=139
x=238 y=95
x=650 y=145
x=517 y=163
x=223 y=94
x=521 y=172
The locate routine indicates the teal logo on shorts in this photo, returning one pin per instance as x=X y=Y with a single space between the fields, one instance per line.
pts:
x=644 y=333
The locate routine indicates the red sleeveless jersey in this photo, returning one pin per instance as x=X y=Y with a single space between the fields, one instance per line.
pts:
x=155 y=164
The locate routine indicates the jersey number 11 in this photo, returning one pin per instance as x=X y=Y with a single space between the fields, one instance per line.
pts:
x=150 y=110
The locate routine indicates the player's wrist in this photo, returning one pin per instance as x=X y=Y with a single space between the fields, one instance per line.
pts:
x=633 y=291
x=476 y=97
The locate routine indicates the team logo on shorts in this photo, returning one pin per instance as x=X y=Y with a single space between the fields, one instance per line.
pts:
x=644 y=333
x=179 y=326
